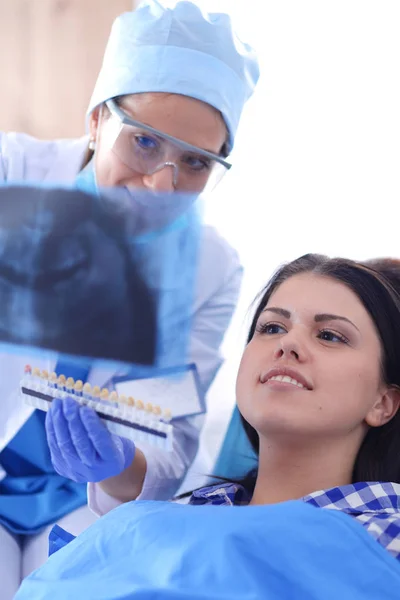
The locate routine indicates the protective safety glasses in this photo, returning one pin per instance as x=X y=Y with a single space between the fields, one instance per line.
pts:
x=146 y=150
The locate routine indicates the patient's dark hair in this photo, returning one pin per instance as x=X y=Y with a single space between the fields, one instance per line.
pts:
x=377 y=285
x=389 y=267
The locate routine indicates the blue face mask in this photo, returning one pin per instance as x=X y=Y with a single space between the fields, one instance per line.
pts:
x=86 y=179
x=151 y=214
x=163 y=235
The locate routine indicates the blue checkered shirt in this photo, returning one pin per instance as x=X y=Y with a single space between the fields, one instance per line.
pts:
x=376 y=506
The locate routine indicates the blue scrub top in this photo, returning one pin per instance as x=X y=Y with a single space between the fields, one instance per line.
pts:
x=33 y=495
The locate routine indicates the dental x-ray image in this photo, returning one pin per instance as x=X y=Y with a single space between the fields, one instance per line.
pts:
x=106 y=276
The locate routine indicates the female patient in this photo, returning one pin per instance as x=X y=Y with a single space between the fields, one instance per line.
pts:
x=318 y=391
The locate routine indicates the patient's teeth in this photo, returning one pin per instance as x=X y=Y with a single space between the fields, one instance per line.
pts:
x=287 y=379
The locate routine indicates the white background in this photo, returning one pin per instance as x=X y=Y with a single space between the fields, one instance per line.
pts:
x=317 y=157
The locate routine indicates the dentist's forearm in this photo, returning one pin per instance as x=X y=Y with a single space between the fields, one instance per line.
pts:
x=127 y=485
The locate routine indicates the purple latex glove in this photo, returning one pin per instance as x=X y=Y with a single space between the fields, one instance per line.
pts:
x=81 y=447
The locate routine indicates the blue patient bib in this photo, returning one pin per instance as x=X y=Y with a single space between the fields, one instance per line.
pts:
x=166 y=551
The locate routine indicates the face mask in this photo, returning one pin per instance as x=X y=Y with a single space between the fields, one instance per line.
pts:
x=86 y=179
x=160 y=234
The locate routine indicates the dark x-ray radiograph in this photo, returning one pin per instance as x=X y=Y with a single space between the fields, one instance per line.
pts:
x=85 y=274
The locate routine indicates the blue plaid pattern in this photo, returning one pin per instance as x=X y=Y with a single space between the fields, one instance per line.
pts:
x=375 y=505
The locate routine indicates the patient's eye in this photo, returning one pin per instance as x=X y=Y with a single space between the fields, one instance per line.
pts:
x=270 y=328
x=327 y=335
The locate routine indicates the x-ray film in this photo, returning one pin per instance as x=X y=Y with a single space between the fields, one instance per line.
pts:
x=104 y=280
x=103 y=277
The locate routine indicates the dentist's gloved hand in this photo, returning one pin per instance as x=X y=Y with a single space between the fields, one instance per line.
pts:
x=81 y=447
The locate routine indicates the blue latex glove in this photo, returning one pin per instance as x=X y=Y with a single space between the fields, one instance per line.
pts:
x=81 y=447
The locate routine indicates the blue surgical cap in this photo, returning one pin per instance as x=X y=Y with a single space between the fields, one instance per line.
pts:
x=178 y=48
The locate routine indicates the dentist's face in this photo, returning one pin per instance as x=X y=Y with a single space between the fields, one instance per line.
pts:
x=184 y=118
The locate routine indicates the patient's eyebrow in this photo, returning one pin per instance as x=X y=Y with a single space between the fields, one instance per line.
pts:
x=320 y=318
x=329 y=317
x=278 y=311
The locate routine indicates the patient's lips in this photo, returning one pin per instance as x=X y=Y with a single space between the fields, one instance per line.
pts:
x=282 y=377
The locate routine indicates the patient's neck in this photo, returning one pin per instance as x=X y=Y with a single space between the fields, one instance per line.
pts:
x=291 y=471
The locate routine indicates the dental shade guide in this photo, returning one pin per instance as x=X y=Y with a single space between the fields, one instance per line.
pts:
x=124 y=416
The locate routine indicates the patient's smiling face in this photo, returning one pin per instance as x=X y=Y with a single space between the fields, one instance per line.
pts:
x=315 y=331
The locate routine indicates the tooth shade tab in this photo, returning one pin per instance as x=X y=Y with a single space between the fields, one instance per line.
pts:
x=104 y=394
x=96 y=391
x=113 y=397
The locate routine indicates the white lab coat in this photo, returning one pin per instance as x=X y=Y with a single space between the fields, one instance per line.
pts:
x=24 y=158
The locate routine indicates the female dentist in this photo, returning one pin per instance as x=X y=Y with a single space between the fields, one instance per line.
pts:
x=174 y=80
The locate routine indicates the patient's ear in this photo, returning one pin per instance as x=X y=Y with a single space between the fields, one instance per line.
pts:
x=385 y=407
